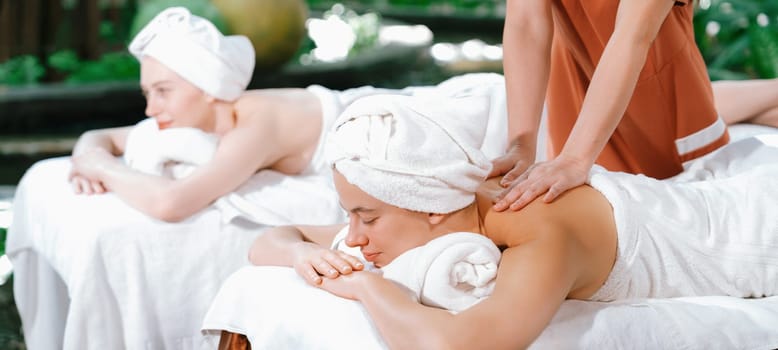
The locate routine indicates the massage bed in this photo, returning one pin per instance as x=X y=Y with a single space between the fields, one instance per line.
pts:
x=90 y=272
x=294 y=315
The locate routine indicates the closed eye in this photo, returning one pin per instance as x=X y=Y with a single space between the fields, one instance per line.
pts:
x=369 y=221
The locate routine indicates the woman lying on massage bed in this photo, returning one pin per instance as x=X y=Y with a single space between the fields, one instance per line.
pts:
x=193 y=76
x=408 y=173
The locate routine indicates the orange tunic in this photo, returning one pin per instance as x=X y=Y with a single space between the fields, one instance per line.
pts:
x=671 y=117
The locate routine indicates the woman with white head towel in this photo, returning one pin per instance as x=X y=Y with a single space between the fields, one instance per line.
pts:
x=407 y=171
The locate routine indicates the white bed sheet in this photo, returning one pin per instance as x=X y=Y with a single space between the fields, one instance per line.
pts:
x=90 y=272
x=294 y=315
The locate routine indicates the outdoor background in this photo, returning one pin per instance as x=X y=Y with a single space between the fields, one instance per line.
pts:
x=64 y=67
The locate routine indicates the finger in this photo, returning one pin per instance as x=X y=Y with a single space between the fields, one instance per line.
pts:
x=342 y=265
x=534 y=191
x=96 y=187
x=324 y=268
x=554 y=191
x=353 y=261
x=500 y=166
x=75 y=185
x=509 y=196
x=309 y=274
x=511 y=176
x=84 y=184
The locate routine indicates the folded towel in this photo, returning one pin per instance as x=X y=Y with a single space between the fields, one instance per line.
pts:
x=452 y=272
x=191 y=46
x=269 y=197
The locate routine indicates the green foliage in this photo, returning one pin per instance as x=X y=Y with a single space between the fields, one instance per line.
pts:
x=738 y=39
x=21 y=70
x=3 y=233
x=110 y=67
x=203 y=8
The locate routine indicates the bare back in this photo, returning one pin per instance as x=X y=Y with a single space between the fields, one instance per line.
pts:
x=581 y=215
x=290 y=119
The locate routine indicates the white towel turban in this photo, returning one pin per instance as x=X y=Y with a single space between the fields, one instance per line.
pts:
x=414 y=153
x=192 y=47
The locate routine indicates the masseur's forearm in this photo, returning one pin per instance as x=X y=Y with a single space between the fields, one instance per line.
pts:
x=527 y=45
x=607 y=98
x=615 y=77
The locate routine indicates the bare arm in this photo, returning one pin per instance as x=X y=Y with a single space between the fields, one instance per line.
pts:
x=532 y=282
x=614 y=80
x=110 y=141
x=527 y=44
x=613 y=83
x=306 y=248
x=240 y=153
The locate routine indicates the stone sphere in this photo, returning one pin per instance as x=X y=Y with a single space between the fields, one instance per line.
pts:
x=276 y=28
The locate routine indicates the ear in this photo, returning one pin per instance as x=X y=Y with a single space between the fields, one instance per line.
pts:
x=435 y=219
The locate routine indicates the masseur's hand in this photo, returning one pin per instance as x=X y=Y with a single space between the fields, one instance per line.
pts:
x=513 y=164
x=313 y=262
x=551 y=178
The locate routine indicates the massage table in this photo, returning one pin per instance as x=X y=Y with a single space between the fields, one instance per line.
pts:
x=91 y=272
x=295 y=315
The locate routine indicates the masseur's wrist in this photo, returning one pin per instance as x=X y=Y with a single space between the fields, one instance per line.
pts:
x=581 y=158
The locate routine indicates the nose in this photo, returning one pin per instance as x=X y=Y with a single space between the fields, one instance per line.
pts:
x=152 y=106
x=355 y=238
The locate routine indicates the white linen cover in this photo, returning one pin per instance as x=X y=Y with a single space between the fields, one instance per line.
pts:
x=90 y=272
x=276 y=309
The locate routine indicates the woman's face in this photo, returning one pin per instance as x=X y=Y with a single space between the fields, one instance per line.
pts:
x=381 y=230
x=171 y=100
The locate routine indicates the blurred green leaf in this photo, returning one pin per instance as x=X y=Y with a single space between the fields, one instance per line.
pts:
x=203 y=8
x=65 y=61
x=21 y=70
x=731 y=41
x=3 y=232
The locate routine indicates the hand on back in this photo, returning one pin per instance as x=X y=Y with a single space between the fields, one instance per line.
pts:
x=551 y=178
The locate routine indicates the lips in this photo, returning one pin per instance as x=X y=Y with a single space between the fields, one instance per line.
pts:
x=370 y=256
x=163 y=125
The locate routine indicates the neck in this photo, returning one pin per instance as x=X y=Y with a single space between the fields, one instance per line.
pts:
x=462 y=220
x=224 y=119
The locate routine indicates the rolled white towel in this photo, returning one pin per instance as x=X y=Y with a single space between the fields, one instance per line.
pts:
x=452 y=272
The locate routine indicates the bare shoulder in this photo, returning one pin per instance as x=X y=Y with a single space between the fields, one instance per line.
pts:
x=287 y=100
x=578 y=212
x=289 y=120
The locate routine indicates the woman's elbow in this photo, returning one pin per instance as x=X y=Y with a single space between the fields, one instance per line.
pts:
x=170 y=210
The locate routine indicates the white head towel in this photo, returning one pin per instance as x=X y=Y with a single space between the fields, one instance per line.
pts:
x=415 y=153
x=191 y=46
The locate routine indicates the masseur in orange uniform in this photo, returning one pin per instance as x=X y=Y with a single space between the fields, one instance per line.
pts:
x=625 y=85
